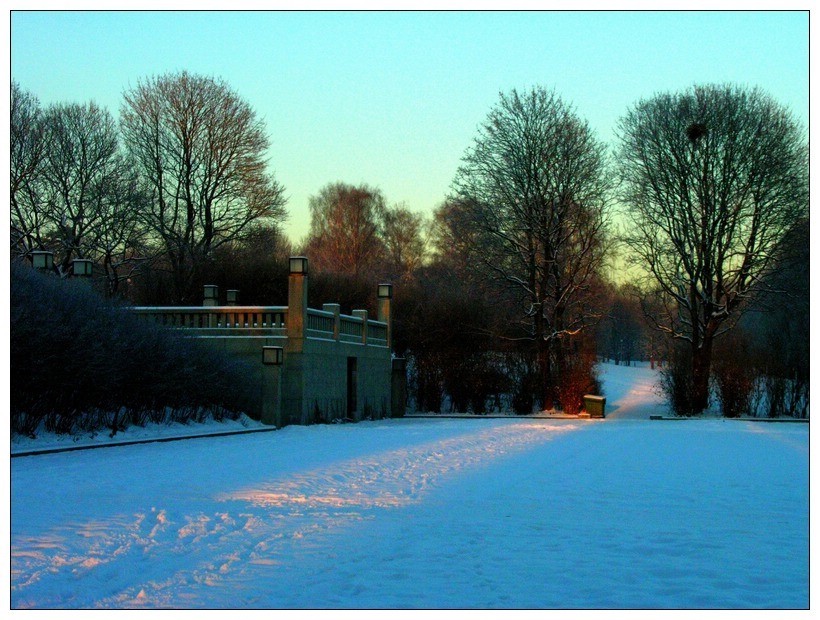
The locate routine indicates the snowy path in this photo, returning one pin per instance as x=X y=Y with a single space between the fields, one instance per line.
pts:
x=424 y=513
x=631 y=392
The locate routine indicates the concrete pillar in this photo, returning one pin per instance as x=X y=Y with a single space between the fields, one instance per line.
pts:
x=210 y=295
x=297 y=304
x=362 y=314
x=336 y=309
x=232 y=297
x=385 y=295
x=293 y=372
x=398 y=387
x=210 y=298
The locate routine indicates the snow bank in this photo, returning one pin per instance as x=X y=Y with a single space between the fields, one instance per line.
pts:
x=46 y=440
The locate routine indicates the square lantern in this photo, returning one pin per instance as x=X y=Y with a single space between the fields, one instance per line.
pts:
x=385 y=291
x=299 y=264
x=81 y=267
x=272 y=355
x=232 y=296
x=211 y=292
x=42 y=259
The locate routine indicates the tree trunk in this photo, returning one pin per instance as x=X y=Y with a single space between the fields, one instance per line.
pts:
x=546 y=387
x=558 y=368
x=557 y=349
x=546 y=383
x=701 y=370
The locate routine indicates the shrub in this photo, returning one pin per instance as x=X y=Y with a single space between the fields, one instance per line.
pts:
x=735 y=374
x=522 y=374
x=426 y=381
x=80 y=362
x=580 y=377
x=471 y=380
x=676 y=380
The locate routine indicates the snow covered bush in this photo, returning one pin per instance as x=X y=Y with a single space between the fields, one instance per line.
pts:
x=80 y=362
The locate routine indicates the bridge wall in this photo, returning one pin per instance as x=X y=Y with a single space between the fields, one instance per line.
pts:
x=333 y=366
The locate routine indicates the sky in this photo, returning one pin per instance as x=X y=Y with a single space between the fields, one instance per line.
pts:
x=393 y=99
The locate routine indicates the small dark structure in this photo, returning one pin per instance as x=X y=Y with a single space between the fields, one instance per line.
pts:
x=595 y=406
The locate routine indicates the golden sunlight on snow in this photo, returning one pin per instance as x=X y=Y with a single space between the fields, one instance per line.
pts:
x=397 y=477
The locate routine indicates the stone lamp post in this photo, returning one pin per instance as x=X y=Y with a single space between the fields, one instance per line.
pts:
x=82 y=267
x=42 y=260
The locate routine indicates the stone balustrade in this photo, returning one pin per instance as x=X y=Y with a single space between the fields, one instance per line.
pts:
x=311 y=365
x=267 y=318
x=319 y=324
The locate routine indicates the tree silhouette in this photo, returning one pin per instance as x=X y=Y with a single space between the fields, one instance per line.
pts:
x=200 y=149
x=533 y=191
x=713 y=177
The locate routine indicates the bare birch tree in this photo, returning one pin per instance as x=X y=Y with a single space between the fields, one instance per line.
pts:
x=534 y=188
x=200 y=150
x=713 y=177
x=346 y=225
x=405 y=241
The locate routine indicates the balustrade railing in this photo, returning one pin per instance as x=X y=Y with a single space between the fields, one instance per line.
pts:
x=318 y=324
x=377 y=333
x=351 y=329
x=219 y=317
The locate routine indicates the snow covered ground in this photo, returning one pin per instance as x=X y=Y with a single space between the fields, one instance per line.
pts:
x=426 y=513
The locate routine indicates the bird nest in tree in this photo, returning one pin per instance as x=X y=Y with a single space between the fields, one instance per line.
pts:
x=696 y=131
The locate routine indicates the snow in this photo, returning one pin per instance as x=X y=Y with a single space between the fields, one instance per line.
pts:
x=45 y=441
x=426 y=513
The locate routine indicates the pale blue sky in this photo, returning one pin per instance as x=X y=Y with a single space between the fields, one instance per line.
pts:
x=393 y=99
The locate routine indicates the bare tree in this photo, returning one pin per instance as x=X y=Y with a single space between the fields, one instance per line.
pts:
x=534 y=189
x=119 y=241
x=72 y=192
x=81 y=159
x=405 y=241
x=455 y=241
x=200 y=150
x=622 y=330
x=27 y=153
x=346 y=224
x=712 y=179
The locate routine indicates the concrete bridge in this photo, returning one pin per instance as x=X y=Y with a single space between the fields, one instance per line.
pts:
x=310 y=365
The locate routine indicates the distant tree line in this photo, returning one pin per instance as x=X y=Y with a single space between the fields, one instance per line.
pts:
x=504 y=297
